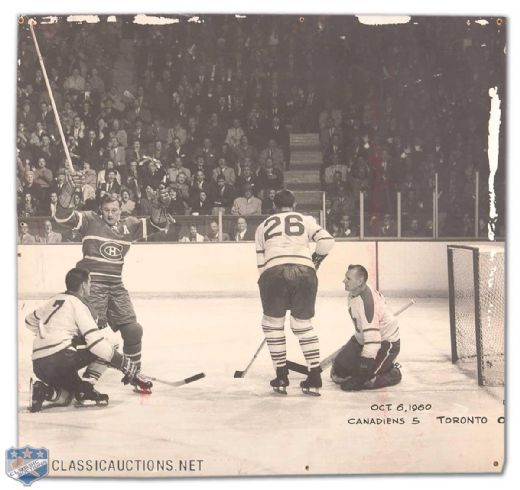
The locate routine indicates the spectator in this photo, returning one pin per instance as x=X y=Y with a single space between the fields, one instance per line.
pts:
x=24 y=237
x=242 y=231
x=222 y=195
x=214 y=230
x=344 y=229
x=269 y=177
x=248 y=204
x=178 y=205
x=193 y=236
x=247 y=177
x=42 y=176
x=335 y=166
x=274 y=153
x=234 y=134
x=111 y=185
x=245 y=150
x=223 y=170
x=28 y=207
x=48 y=235
x=200 y=184
x=127 y=205
x=146 y=203
x=182 y=186
x=200 y=204
x=175 y=169
x=268 y=206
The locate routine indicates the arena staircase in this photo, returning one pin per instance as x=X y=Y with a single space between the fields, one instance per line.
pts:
x=303 y=176
x=124 y=68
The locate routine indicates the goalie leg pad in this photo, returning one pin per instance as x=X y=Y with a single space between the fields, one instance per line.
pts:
x=273 y=328
x=346 y=363
x=308 y=340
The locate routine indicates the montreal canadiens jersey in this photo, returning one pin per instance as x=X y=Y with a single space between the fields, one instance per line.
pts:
x=373 y=321
x=284 y=238
x=105 y=246
x=60 y=321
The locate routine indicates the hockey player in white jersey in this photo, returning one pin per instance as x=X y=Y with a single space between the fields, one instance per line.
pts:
x=288 y=282
x=367 y=360
x=60 y=326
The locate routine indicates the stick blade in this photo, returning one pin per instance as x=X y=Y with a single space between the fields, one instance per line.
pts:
x=194 y=378
x=239 y=374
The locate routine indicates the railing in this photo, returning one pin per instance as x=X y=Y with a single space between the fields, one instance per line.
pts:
x=466 y=222
x=441 y=222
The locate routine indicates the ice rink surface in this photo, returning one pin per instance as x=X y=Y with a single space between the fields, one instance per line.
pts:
x=240 y=427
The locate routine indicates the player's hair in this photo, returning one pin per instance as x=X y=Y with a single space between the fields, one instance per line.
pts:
x=75 y=278
x=107 y=199
x=284 y=199
x=360 y=271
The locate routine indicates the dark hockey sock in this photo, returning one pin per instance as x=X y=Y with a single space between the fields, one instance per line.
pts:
x=133 y=351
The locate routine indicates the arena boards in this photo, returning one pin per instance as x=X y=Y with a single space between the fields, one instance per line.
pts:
x=389 y=131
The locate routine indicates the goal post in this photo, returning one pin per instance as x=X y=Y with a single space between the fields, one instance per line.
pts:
x=477 y=310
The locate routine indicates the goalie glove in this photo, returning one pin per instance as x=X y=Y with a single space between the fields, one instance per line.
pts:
x=365 y=372
x=317 y=259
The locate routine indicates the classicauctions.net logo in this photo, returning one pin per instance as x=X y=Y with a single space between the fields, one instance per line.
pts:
x=27 y=464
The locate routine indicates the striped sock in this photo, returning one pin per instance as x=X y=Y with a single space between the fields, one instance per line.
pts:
x=309 y=342
x=274 y=333
x=94 y=371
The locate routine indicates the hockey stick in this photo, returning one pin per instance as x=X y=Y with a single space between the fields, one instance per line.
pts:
x=68 y=160
x=300 y=368
x=241 y=374
x=181 y=382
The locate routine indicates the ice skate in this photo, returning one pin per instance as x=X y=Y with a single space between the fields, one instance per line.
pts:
x=140 y=384
x=281 y=381
x=91 y=398
x=40 y=392
x=312 y=384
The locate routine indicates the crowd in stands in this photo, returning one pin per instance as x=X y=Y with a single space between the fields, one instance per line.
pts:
x=213 y=103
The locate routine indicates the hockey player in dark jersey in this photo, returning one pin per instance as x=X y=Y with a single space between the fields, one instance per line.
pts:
x=106 y=240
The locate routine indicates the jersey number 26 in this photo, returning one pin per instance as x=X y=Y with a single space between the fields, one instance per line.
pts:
x=293 y=226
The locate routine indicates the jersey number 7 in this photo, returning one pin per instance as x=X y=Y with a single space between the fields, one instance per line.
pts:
x=293 y=226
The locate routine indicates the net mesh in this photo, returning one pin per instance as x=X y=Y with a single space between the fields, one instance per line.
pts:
x=480 y=319
x=464 y=301
x=492 y=316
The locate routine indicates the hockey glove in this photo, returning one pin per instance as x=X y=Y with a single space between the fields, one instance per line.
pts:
x=317 y=259
x=366 y=368
x=365 y=372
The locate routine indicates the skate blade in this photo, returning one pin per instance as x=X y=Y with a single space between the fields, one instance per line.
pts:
x=280 y=390
x=308 y=391
x=89 y=404
x=142 y=391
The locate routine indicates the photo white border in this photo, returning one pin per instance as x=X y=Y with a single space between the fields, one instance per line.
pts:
x=8 y=29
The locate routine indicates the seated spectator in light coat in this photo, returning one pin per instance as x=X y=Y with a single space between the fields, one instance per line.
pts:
x=25 y=238
x=48 y=235
x=127 y=205
x=248 y=204
x=227 y=172
x=193 y=236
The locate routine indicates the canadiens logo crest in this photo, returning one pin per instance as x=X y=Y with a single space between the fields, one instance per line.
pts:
x=111 y=251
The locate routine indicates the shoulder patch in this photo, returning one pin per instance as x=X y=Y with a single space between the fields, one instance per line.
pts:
x=368 y=303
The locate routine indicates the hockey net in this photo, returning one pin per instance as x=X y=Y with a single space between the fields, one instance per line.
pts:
x=477 y=310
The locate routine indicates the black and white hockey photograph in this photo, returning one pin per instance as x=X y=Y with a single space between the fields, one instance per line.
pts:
x=260 y=245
